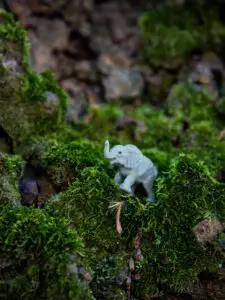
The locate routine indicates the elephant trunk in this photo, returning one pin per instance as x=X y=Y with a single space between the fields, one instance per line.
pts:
x=107 y=153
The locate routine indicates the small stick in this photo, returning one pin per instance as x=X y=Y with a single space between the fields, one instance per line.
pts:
x=222 y=134
x=118 y=224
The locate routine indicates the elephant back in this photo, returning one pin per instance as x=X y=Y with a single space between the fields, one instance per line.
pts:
x=133 y=156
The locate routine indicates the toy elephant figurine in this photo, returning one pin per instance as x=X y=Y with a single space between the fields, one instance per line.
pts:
x=134 y=168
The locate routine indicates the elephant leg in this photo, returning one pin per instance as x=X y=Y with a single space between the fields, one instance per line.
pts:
x=118 y=178
x=128 y=183
x=148 y=185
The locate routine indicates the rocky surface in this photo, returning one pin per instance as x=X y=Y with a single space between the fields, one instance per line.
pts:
x=92 y=46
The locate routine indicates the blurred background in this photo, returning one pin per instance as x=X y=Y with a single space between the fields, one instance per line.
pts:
x=128 y=50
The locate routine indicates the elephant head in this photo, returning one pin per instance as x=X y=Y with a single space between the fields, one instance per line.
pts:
x=128 y=156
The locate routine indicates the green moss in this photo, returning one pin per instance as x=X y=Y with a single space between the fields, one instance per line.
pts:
x=34 y=256
x=11 y=169
x=101 y=124
x=86 y=205
x=170 y=33
x=13 y=32
x=31 y=104
x=185 y=103
x=64 y=162
x=186 y=194
x=107 y=279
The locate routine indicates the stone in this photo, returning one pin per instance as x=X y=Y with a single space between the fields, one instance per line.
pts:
x=85 y=70
x=119 y=27
x=75 y=11
x=113 y=57
x=206 y=230
x=11 y=65
x=123 y=83
x=158 y=84
x=45 y=6
x=202 y=73
x=35 y=191
x=29 y=190
x=100 y=38
x=52 y=33
x=65 y=66
x=78 y=99
x=73 y=269
x=41 y=57
x=132 y=43
x=4 y=145
x=51 y=103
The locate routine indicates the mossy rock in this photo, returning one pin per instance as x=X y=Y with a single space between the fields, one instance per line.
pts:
x=186 y=194
x=86 y=205
x=31 y=104
x=34 y=256
x=11 y=169
x=170 y=33
x=64 y=162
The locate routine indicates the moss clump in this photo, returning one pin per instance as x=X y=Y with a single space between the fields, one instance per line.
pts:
x=171 y=32
x=31 y=104
x=172 y=258
x=184 y=103
x=34 y=256
x=64 y=162
x=185 y=195
x=11 y=169
x=101 y=123
x=86 y=205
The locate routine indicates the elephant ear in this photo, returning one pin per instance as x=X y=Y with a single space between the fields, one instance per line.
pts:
x=133 y=156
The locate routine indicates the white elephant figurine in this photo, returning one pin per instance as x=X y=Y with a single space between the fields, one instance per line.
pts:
x=134 y=168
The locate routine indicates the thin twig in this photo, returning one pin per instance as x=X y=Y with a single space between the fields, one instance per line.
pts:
x=118 y=224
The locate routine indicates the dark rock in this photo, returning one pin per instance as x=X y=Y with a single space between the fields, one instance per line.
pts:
x=100 y=38
x=65 y=66
x=4 y=145
x=46 y=191
x=119 y=27
x=132 y=43
x=35 y=192
x=75 y=11
x=85 y=70
x=29 y=190
x=158 y=84
x=45 y=6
